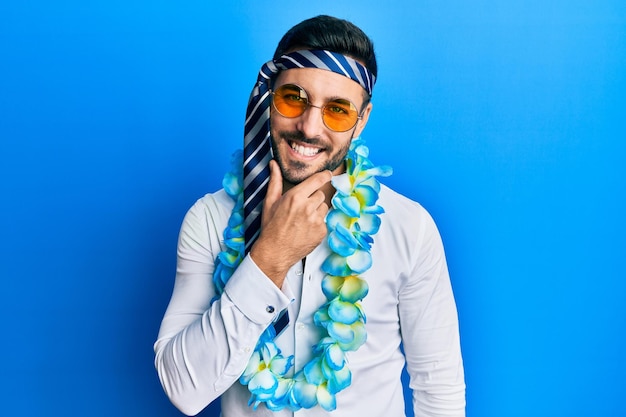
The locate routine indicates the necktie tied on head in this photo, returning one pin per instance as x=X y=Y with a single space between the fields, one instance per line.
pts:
x=257 y=149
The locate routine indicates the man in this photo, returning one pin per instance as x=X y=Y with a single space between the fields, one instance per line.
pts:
x=307 y=311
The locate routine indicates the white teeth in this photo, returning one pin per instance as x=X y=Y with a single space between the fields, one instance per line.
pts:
x=304 y=150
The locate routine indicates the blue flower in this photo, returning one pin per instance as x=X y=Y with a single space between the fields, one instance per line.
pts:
x=349 y=337
x=314 y=387
x=350 y=288
x=340 y=380
x=343 y=312
x=231 y=181
x=264 y=373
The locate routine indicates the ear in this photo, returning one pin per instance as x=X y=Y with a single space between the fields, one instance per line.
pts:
x=363 y=120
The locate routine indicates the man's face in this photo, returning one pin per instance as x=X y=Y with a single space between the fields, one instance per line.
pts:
x=303 y=145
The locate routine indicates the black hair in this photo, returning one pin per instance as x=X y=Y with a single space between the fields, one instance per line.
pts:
x=331 y=34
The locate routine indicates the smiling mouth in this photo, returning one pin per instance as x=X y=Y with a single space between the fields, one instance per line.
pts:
x=304 y=150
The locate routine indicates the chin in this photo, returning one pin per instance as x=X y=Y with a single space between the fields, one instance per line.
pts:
x=295 y=171
x=295 y=175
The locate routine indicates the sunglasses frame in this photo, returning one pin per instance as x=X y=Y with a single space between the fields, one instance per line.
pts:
x=322 y=108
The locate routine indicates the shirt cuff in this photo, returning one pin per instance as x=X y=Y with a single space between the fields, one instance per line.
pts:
x=254 y=294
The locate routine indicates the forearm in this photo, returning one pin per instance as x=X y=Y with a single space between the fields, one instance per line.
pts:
x=198 y=364
x=200 y=354
x=437 y=376
x=433 y=353
x=430 y=333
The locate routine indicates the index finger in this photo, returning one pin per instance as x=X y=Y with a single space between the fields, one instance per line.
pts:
x=313 y=183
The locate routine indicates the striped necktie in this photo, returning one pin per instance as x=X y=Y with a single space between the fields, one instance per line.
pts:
x=257 y=149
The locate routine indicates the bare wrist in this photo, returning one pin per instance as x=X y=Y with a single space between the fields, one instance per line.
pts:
x=269 y=265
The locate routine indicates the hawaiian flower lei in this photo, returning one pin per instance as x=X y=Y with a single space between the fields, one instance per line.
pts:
x=351 y=223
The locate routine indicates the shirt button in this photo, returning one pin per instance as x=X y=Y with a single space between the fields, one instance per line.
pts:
x=270 y=309
x=300 y=326
x=246 y=349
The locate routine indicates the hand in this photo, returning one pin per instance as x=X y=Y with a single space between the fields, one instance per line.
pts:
x=292 y=224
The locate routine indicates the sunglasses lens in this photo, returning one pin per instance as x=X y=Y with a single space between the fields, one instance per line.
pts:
x=291 y=100
x=340 y=115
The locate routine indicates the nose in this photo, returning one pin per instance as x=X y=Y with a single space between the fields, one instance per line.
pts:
x=310 y=123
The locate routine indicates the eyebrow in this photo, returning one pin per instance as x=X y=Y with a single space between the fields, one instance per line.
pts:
x=329 y=99
x=292 y=87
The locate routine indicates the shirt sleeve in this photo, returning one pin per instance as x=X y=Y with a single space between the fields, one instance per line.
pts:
x=430 y=330
x=203 y=347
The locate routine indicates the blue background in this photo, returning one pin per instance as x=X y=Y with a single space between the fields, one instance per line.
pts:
x=505 y=119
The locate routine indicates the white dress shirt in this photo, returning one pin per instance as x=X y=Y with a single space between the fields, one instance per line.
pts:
x=203 y=348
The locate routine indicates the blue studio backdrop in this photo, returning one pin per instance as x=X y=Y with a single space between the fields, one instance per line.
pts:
x=505 y=119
